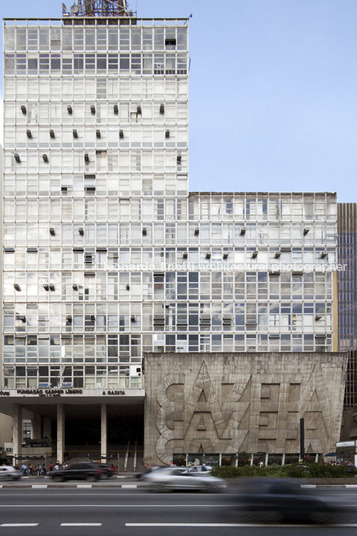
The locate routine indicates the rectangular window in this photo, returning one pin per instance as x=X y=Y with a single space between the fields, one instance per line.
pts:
x=113 y=61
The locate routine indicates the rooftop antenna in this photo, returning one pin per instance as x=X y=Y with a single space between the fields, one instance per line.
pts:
x=75 y=9
x=98 y=8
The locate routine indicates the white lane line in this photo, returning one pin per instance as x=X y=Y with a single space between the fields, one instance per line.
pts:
x=39 y=486
x=192 y=525
x=85 y=486
x=81 y=524
x=108 y=506
x=19 y=524
x=208 y=525
x=128 y=486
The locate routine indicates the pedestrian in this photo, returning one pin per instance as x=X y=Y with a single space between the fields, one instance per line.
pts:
x=51 y=466
x=24 y=469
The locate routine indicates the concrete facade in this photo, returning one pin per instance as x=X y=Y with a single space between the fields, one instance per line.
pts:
x=241 y=402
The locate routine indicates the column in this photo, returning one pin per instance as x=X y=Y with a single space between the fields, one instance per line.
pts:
x=17 y=433
x=103 y=432
x=60 y=433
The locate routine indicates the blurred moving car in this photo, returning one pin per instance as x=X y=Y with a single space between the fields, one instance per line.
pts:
x=107 y=470
x=280 y=500
x=180 y=478
x=142 y=476
x=193 y=469
x=78 y=471
x=7 y=472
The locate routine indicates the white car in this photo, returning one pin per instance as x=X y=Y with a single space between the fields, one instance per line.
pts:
x=200 y=469
x=7 y=472
x=180 y=478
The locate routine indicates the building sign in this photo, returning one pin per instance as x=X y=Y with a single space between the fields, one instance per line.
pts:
x=49 y=392
x=114 y=393
x=61 y=392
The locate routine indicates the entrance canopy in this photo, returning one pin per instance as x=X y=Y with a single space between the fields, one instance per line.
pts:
x=45 y=401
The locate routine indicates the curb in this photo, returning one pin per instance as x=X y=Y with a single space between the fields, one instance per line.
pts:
x=141 y=485
x=66 y=485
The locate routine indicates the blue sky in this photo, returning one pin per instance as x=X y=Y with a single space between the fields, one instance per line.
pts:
x=273 y=89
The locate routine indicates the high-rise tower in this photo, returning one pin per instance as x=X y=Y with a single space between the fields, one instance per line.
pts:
x=96 y=150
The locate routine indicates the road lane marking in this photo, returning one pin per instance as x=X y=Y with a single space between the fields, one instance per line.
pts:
x=84 y=486
x=127 y=486
x=81 y=524
x=208 y=525
x=19 y=524
x=109 y=505
x=39 y=486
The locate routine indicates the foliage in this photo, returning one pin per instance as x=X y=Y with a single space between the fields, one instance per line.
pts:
x=225 y=471
x=314 y=470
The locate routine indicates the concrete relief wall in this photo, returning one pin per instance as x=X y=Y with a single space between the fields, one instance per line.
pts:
x=252 y=402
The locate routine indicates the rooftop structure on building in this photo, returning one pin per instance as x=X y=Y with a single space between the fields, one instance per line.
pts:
x=97 y=8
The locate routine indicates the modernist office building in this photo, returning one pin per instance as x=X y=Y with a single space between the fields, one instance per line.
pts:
x=106 y=253
x=347 y=307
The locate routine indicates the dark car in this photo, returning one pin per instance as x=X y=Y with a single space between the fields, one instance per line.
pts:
x=78 y=471
x=107 y=470
x=270 y=499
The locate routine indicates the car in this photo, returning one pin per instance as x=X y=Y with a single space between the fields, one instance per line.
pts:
x=78 y=471
x=279 y=500
x=107 y=469
x=181 y=478
x=143 y=476
x=7 y=472
x=200 y=469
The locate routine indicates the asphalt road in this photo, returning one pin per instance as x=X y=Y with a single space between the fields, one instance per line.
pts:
x=136 y=512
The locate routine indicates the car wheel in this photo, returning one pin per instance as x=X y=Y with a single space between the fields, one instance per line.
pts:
x=104 y=476
x=58 y=478
x=91 y=478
